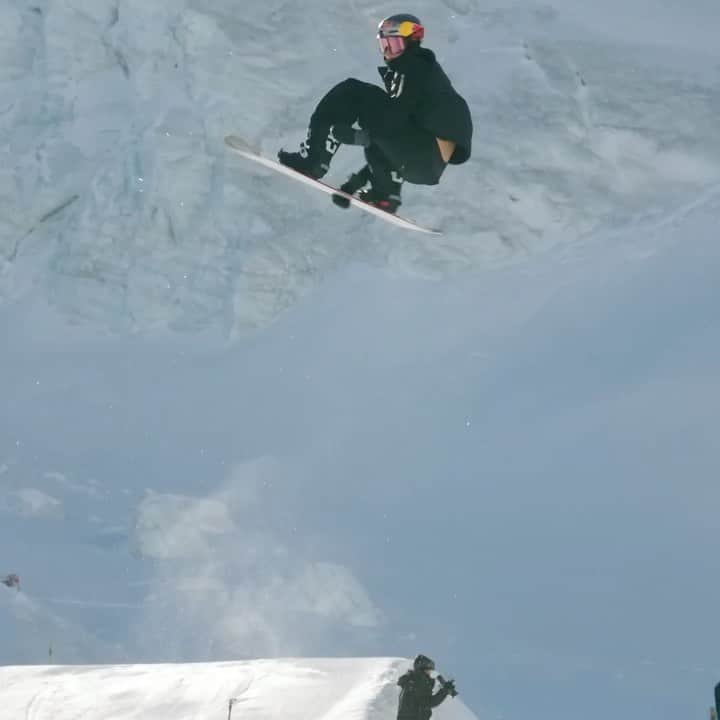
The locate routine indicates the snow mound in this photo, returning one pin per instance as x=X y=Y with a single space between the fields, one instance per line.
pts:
x=337 y=689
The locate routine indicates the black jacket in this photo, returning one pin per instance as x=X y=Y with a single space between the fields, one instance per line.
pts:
x=416 y=696
x=419 y=84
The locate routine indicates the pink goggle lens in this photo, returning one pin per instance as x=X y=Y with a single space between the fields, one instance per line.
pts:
x=391 y=45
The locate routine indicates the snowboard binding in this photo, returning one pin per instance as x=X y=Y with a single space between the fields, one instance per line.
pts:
x=372 y=196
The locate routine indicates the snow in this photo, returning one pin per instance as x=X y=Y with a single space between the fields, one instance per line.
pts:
x=29 y=502
x=117 y=176
x=331 y=689
x=236 y=422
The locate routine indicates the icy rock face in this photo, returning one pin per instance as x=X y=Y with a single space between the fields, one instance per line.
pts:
x=121 y=206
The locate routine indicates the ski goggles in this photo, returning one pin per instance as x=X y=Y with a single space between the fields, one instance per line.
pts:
x=391 y=46
x=404 y=29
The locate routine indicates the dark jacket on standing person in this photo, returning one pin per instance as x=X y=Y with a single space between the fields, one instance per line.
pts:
x=416 y=696
x=418 y=83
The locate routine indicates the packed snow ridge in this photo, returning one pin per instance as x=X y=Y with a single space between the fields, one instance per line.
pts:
x=337 y=689
x=121 y=207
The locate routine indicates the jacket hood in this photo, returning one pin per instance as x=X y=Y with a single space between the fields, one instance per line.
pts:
x=405 y=679
x=411 y=675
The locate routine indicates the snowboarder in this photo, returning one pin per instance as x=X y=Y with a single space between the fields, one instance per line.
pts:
x=410 y=131
x=416 y=696
x=717 y=700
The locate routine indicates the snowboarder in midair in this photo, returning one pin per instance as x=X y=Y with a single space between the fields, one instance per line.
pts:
x=416 y=695
x=410 y=131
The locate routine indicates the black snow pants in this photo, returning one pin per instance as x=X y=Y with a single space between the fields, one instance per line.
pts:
x=396 y=141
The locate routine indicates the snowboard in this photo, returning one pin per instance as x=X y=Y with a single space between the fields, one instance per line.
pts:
x=239 y=146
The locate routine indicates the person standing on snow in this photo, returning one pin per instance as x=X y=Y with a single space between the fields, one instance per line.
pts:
x=410 y=131
x=416 y=696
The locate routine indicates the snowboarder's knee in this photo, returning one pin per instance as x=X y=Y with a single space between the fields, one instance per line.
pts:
x=358 y=88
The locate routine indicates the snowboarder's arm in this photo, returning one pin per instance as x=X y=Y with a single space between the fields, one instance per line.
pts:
x=439 y=696
x=447 y=687
x=404 y=85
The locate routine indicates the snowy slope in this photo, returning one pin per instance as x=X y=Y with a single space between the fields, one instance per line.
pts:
x=122 y=207
x=263 y=690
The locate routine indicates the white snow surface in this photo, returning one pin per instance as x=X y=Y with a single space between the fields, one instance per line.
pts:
x=332 y=689
x=236 y=422
x=121 y=206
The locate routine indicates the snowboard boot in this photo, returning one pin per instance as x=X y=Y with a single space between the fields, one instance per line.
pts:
x=316 y=153
x=384 y=190
x=385 y=181
x=383 y=193
x=354 y=183
x=380 y=199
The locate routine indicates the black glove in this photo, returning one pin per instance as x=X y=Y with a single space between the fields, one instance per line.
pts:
x=341 y=201
x=448 y=686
